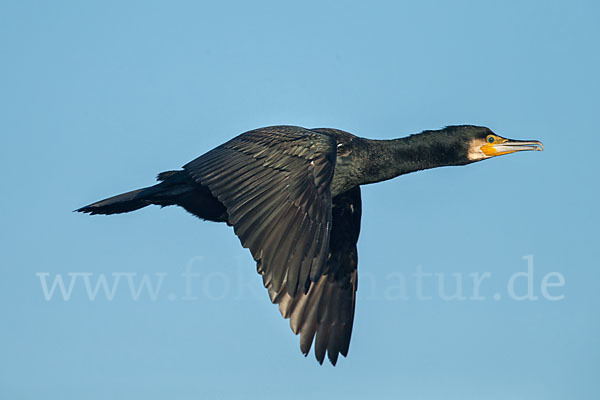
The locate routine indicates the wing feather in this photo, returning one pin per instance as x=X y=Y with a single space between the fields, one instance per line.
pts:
x=326 y=310
x=275 y=184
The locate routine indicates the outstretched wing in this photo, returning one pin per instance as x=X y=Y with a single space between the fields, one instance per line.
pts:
x=327 y=309
x=275 y=185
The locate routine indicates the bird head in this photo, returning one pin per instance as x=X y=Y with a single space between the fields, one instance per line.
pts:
x=483 y=143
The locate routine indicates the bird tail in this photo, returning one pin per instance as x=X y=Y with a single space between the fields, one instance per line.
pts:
x=161 y=194
x=121 y=203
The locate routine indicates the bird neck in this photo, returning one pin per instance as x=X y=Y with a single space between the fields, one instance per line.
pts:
x=430 y=149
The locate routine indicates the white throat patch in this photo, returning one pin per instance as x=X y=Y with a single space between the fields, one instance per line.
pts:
x=475 y=153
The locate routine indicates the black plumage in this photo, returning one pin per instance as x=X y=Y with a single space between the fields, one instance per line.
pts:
x=293 y=198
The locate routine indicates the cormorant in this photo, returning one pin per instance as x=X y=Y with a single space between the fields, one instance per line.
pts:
x=292 y=196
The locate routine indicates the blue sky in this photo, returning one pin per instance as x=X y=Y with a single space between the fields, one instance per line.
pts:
x=97 y=98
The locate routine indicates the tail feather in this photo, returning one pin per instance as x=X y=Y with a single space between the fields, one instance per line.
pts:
x=121 y=203
x=175 y=188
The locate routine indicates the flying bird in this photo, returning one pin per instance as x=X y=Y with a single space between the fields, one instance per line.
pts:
x=292 y=196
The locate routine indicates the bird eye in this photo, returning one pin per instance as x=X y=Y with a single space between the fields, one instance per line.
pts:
x=490 y=139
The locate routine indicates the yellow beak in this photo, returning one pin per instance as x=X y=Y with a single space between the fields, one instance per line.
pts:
x=507 y=146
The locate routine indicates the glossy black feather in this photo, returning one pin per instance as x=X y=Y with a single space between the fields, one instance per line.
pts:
x=270 y=180
x=327 y=309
